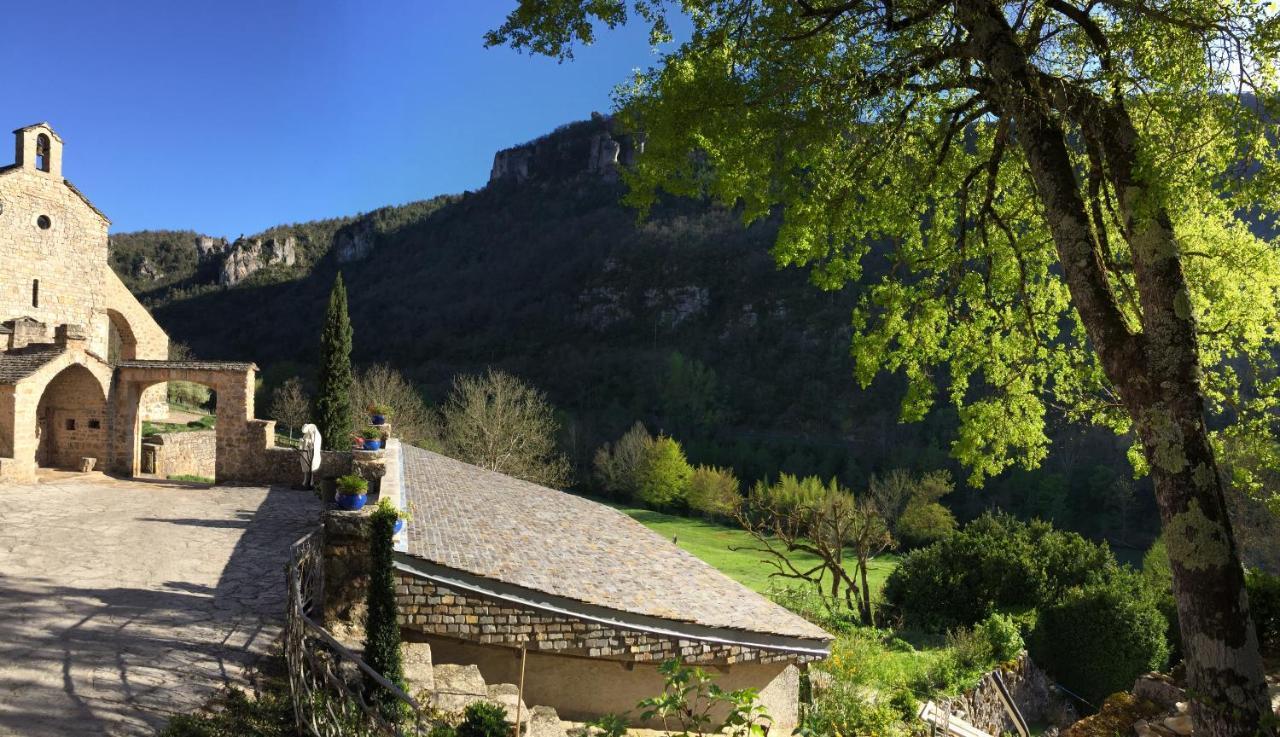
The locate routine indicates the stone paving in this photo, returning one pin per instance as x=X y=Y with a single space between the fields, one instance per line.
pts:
x=124 y=602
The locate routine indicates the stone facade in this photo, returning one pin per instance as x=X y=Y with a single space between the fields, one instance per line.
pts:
x=82 y=362
x=180 y=454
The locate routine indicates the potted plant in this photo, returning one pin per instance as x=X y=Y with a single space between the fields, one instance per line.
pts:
x=353 y=492
x=372 y=438
x=378 y=413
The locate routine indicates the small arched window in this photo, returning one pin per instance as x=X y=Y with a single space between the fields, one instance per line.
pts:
x=42 y=152
x=35 y=292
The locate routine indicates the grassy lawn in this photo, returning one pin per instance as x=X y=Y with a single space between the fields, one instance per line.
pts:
x=712 y=542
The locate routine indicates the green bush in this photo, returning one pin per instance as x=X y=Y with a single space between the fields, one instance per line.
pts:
x=1004 y=636
x=382 y=628
x=996 y=563
x=1100 y=637
x=1157 y=579
x=924 y=523
x=443 y=730
x=1264 y=606
x=664 y=475
x=847 y=709
x=483 y=719
x=713 y=492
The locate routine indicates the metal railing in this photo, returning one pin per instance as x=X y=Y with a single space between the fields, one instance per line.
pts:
x=334 y=692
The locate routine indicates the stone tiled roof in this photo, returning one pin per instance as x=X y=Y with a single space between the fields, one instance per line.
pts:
x=18 y=365
x=502 y=528
x=190 y=365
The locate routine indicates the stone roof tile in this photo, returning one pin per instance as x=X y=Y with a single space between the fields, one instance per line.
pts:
x=516 y=532
x=18 y=365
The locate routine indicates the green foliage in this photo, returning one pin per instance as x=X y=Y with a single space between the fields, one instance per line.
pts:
x=236 y=715
x=924 y=523
x=663 y=478
x=381 y=387
x=609 y=725
x=688 y=395
x=189 y=394
x=333 y=403
x=713 y=493
x=382 y=629
x=352 y=485
x=1003 y=634
x=617 y=465
x=1264 y=607
x=690 y=695
x=994 y=564
x=371 y=432
x=192 y=478
x=1157 y=579
x=1097 y=639
x=483 y=719
x=443 y=730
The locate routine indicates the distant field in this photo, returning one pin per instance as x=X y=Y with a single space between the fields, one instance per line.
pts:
x=712 y=542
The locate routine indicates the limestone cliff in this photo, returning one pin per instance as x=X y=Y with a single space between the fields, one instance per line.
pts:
x=595 y=147
x=247 y=256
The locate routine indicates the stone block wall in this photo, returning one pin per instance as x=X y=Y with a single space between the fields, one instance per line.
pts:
x=180 y=454
x=432 y=609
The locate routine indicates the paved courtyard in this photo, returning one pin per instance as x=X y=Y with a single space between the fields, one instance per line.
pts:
x=122 y=603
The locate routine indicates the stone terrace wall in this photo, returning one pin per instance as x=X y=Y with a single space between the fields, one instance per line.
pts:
x=180 y=454
x=432 y=609
x=1031 y=690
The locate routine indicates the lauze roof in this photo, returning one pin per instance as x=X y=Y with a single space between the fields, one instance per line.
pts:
x=501 y=528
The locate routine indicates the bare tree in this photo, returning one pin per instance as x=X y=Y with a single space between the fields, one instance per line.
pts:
x=825 y=521
x=411 y=420
x=290 y=405
x=496 y=421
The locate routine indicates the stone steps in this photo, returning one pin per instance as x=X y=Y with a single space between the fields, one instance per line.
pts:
x=451 y=688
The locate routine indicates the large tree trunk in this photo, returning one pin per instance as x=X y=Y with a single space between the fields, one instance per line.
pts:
x=1156 y=371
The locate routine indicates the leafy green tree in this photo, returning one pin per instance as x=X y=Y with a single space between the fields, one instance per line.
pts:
x=1058 y=183
x=333 y=402
x=381 y=628
x=688 y=395
x=713 y=492
x=663 y=481
x=923 y=523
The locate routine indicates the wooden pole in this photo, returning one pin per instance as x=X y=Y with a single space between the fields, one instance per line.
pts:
x=520 y=696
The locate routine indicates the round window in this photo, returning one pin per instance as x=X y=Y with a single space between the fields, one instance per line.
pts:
x=44 y=222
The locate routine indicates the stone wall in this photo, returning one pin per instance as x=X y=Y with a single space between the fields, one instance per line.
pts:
x=1032 y=691
x=180 y=454
x=432 y=609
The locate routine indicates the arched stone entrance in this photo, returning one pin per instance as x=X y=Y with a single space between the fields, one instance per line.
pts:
x=71 y=420
x=240 y=439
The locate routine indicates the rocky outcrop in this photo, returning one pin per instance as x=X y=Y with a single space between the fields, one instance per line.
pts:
x=245 y=257
x=354 y=243
x=209 y=248
x=595 y=147
x=148 y=270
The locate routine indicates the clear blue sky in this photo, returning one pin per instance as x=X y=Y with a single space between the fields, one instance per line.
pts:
x=227 y=117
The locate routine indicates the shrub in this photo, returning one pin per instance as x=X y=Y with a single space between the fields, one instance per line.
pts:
x=1004 y=636
x=994 y=564
x=1264 y=606
x=352 y=485
x=846 y=709
x=924 y=523
x=664 y=475
x=1157 y=579
x=371 y=433
x=713 y=492
x=443 y=730
x=382 y=629
x=617 y=466
x=1100 y=637
x=483 y=719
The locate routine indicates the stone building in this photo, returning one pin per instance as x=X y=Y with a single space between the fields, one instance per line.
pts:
x=490 y=565
x=82 y=362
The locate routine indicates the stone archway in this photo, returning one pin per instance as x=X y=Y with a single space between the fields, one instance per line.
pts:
x=71 y=420
x=122 y=343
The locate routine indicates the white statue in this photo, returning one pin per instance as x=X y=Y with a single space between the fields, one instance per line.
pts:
x=309 y=454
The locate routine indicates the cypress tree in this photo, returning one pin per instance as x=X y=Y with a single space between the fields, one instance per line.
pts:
x=333 y=402
x=381 y=629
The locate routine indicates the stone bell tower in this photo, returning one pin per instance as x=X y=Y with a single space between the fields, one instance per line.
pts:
x=39 y=149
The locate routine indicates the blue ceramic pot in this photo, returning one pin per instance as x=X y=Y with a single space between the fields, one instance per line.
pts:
x=399 y=526
x=372 y=444
x=352 y=502
x=378 y=419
